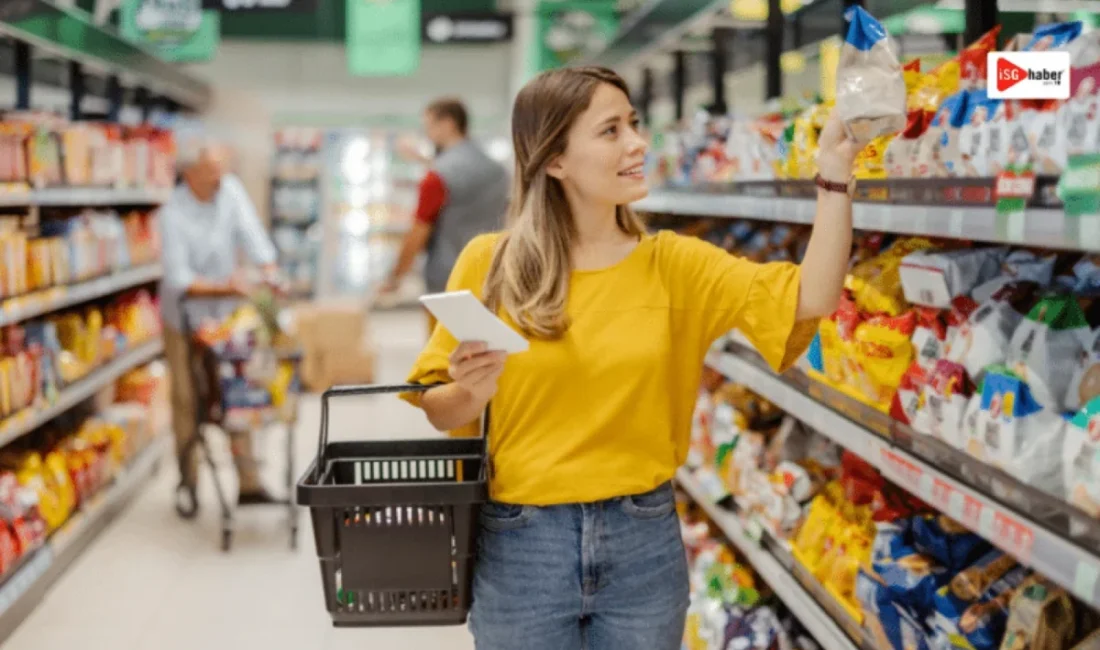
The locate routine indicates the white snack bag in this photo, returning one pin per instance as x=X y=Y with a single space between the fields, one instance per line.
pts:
x=870 y=93
x=1019 y=436
x=933 y=278
x=1081 y=459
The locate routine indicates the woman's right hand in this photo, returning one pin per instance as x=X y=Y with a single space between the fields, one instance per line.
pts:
x=476 y=369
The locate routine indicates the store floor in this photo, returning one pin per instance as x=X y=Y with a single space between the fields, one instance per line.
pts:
x=153 y=581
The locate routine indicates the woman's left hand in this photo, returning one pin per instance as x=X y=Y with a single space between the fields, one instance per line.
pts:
x=837 y=151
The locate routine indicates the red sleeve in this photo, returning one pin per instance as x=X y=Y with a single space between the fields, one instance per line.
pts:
x=433 y=194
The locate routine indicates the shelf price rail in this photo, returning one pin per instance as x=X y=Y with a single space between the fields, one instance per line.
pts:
x=1063 y=547
x=930 y=208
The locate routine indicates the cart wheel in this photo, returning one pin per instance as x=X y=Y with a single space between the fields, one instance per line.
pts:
x=187 y=502
x=227 y=540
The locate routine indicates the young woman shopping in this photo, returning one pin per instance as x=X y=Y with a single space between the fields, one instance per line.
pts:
x=580 y=546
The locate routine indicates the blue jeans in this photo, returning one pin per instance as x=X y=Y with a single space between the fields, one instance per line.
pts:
x=610 y=575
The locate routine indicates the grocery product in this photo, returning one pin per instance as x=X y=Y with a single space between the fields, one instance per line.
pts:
x=1081 y=458
x=870 y=96
x=1047 y=342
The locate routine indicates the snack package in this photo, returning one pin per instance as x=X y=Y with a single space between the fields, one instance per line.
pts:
x=974 y=59
x=974 y=135
x=933 y=278
x=946 y=395
x=929 y=336
x=1018 y=266
x=972 y=610
x=1081 y=459
x=884 y=352
x=983 y=340
x=1085 y=383
x=940 y=142
x=875 y=283
x=947 y=542
x=870 y=95
x=1046 y=345
x=908 y=403
x=1015 y=433
x=1041 y=617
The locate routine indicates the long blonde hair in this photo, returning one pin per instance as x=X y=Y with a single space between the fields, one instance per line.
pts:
x=529 y=274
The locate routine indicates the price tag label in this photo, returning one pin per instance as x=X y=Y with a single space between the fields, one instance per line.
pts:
x=1015 y=537
x=753 y=530
x=927 y=487
x=905 y=473
x=985 y=524
x=955 y=223
x=1017 y=227
x=942 y=494
x=1088 y=231
x=1084 y=581
x=956 y=506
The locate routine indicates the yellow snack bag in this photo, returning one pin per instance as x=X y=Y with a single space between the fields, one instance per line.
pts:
x=883 y=346
x=808 y=545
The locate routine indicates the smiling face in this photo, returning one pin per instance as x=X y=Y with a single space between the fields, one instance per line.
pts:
x=604 y=152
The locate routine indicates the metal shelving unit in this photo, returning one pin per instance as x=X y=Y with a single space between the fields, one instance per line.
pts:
x=1020 y=520
x=1037 y=226
x=70 y=34
x=14 y=310
x=779 y=570
x=84 y=197
x=25 y=587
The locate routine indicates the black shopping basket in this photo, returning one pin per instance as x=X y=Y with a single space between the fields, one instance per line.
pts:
x=395 y=522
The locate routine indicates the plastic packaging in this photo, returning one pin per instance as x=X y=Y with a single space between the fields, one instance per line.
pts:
x=870 y=95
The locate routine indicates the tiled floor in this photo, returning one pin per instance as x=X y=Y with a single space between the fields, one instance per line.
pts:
x=153 y=582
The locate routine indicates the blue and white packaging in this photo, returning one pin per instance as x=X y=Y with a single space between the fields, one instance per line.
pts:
x=870 y=86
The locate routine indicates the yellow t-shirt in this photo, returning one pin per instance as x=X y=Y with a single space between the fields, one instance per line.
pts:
x=606 y=411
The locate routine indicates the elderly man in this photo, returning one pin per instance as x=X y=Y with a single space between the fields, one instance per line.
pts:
x=206 y=223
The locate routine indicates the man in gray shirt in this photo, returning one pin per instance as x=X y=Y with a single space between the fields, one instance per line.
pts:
x=464 y=194
x=206 y=223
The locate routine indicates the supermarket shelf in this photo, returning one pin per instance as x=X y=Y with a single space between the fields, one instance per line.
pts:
x=85 y=197
x=42 y=302
x=69 y=33
x=25 y=588
x=902 y=457
x=1048 y=227
x=30 y=419
x=776 y=572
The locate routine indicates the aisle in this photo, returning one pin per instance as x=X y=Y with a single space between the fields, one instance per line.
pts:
x=153 y=581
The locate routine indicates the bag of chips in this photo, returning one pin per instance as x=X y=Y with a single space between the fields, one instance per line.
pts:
x=1081 y=459
x=1048 y=342
x=982 y=341
x=1018 y=435
x=933 y=278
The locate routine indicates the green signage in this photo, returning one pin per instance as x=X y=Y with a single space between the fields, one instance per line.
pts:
x=383 y=37
x=175 y=30
x=567 y=30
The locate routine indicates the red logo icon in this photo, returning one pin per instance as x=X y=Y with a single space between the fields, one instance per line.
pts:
x=1009 y=74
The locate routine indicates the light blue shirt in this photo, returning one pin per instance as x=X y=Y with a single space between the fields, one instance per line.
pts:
x=205 y=240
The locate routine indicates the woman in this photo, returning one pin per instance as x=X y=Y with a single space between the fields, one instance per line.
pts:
x=580 y=546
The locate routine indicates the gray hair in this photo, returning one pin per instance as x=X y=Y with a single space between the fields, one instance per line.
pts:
x=190 y=148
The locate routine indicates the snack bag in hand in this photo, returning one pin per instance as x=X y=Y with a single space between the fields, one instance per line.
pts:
x=870 y=94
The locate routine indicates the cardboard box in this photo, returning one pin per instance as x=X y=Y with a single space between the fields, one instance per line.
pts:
x=331 y=325
x=324 y=369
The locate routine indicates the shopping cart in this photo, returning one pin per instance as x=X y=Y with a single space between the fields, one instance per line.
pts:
x=395 y=522
x=225 y=386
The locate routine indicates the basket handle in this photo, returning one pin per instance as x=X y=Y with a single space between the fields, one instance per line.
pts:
x=382 y=389
x=349 y=391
